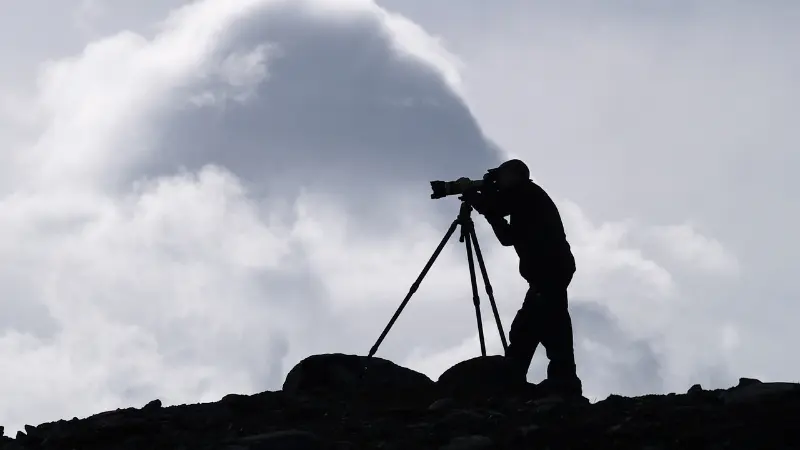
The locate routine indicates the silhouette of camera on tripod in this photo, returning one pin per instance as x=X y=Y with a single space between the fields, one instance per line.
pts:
x=475 y=194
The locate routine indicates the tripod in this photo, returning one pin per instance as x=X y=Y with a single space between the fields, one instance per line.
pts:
x=467 y=235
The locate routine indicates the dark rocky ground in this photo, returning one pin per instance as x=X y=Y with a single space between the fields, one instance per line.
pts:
x=325 y=405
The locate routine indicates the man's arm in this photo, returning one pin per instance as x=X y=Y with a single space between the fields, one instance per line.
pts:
x=488 y=208
x=501 y=229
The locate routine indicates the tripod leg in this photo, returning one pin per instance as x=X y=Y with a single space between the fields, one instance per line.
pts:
x=414 y=288
x=475 y=299
x=489 y=291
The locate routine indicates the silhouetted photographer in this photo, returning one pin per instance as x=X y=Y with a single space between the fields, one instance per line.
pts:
x=536 y=232
x=545 y=261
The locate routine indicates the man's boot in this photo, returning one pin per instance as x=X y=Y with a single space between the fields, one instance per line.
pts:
x=562 y=380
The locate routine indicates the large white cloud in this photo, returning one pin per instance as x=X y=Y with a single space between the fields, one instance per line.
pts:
x=192 y=208
x=158 y=244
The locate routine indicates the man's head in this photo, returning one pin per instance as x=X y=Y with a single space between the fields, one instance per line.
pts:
x=510 y=173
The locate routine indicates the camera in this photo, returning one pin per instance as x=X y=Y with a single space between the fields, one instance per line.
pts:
x=441 y=189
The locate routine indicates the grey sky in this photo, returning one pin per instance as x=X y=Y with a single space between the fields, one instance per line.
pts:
x=190 y=207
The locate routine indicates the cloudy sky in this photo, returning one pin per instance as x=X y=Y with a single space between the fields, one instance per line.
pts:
x=195 y=196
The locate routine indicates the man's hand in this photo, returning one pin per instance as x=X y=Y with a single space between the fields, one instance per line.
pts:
x=473 y=199
x=479 y=203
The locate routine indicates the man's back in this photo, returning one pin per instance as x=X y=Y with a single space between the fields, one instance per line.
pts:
x=539 y=236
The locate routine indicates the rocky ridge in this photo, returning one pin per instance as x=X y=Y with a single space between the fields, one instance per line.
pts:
x=326 y=403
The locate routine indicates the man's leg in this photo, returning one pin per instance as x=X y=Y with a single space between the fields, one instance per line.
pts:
x=557 y=339
x=523 y=337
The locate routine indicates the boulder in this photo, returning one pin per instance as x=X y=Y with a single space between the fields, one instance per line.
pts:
x=338 y=373
x=481 y=376
x=749 y=392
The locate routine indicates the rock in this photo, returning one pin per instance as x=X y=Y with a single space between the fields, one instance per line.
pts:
x=155 y=404
x=546 y=406
x=751 y=392
x=695 y=389
x=553 y=401
x=462 y=419
x=528 y=430
x=282 y=440
x=480 y=376
x=442 y=404
x=109 y=420
x=495 y=414
x=30 y=430
x=748 y=382
x=343 y=373
x=475 y=442
x=253 y=404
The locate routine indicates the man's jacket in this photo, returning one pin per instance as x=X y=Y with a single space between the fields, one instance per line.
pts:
x=535 y=230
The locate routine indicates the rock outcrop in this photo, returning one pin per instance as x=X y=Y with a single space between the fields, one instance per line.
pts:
x=348 y=373
x=322 y=406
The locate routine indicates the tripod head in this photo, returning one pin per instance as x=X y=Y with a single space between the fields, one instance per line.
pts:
x=465 y=219
x=465 y=211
